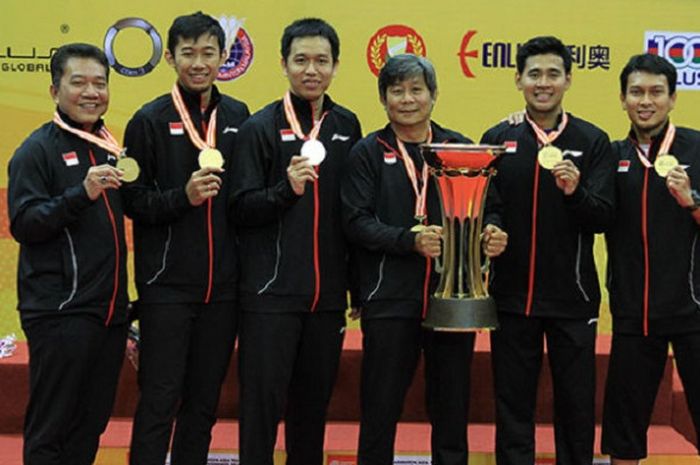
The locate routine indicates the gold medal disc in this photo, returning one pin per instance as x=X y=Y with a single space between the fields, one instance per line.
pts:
x=419 y=228
x=130 y=167
x=211 y=158
x=664 y=164
x=548 y=156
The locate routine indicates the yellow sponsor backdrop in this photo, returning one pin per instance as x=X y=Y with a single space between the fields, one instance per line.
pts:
x=28 y=31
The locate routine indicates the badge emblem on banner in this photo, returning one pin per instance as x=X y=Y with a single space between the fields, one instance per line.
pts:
x=239 y=47
x=390 y=41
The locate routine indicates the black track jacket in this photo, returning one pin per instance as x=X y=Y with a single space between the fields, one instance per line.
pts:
x=72 y=257
x=650 y=223
x=378 y=213
x=182 y=254
x=293 y=253
x=549 y=258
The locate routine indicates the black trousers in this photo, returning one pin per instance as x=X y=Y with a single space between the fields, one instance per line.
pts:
x=288 y=365
x=391 y=350
x=636 y=367
x=184 y=355
x=517 y=348
x=74 y=365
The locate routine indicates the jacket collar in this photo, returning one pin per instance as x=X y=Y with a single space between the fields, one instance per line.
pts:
x=655 y=140
x=303 y=109
x=193 y=102
x=95 y=128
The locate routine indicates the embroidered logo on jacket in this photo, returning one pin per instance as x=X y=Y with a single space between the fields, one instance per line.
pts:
x=70 y=159
x=623 y=166
x=389 y=158
x=287 y=135
x=176 y=128
x=339 y=137
x=228 y=129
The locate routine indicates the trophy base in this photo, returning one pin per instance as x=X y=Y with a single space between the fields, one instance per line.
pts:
x=461 y=315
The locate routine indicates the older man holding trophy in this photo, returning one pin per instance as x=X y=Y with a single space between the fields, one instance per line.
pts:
x=392 y=214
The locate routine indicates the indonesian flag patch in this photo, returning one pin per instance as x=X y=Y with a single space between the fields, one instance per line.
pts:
x=511 y=146
x=70 y=159
x=389 y=158
x=287 y=135
x=623 y=166
x=176 y=128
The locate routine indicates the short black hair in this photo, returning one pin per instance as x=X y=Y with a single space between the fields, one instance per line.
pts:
x=406 y=66
x=77 y=50
x=543 y=45
x=309 y=27
x=194 y=26
x=652 y=64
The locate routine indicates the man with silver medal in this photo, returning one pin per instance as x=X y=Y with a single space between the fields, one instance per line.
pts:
x=295 y=271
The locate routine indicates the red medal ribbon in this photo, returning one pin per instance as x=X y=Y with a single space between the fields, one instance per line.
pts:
x=293 y=121
x=105 y=141
x=543 y=137
x=412 y=172
x=663 y=150
x=189 y=125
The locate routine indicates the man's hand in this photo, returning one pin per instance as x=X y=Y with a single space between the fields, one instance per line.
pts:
x=101 y=177
x=203 y=184
x=493 y=240
x=566 y=176
x=428 y=241
x=299 y=172
x=678 y=184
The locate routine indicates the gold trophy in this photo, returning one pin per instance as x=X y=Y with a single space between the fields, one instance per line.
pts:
x=462 y=173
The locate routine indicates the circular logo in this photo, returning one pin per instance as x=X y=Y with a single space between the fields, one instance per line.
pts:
x=392 y=40
x=156 y=43
x=240 y=57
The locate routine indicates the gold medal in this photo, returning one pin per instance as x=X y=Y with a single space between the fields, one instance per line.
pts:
x=211 y=158
x=130 y=167
x=664 y=164
x=548 y=156
x=419 y=228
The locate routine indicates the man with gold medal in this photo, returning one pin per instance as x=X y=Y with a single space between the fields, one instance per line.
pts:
x=295 y=270
x=551 y=196
x=653 y=256
x=391 y=213
x=184 y=247
x=66 y=213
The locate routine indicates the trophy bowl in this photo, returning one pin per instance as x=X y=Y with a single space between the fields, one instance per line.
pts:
x=461 y=173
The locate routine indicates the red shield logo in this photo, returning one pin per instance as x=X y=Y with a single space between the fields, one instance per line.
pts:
x=392 y=40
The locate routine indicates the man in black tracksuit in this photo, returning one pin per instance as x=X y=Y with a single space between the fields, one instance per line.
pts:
x=394 y=264
x=653 y=276
x=545 y=282
x=184 y=248
x=294 y=259
x=67 y=217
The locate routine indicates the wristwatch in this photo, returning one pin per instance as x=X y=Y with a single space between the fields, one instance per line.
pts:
x=695 y=195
